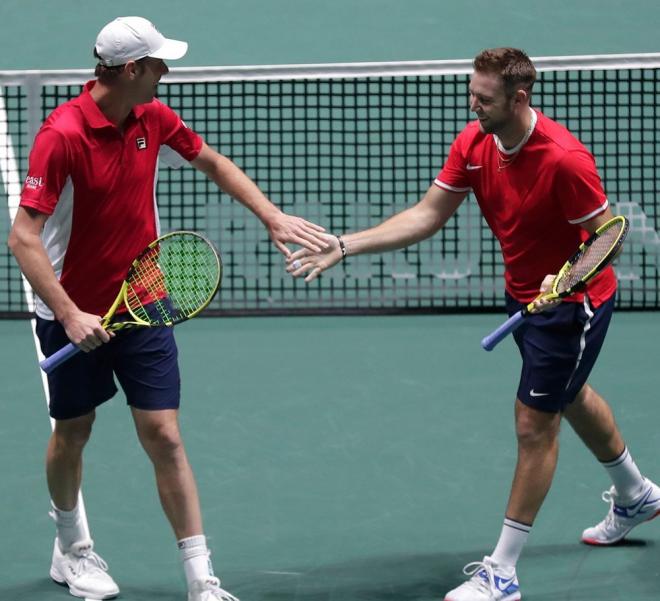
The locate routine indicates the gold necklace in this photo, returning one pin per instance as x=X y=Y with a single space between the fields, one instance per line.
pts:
x=504 y=159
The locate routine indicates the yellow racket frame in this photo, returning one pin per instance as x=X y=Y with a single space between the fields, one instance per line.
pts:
x=122 y=297
x=554 y=294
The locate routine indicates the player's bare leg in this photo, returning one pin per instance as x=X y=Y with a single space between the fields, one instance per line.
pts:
x=538 y=449
x=592 y=419
x=64 y=459
x=160 y=436
x=494 y=577
x=74 y=563
x=633 y=499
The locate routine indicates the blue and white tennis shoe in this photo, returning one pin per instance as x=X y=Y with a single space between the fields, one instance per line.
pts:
x=489 y=582
x=621 y=519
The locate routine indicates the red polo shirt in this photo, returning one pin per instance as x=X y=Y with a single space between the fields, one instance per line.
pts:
x=98 y=186
x=534 y=204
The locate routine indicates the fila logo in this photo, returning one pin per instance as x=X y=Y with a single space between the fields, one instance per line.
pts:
x=141 y=143
x=33 y=183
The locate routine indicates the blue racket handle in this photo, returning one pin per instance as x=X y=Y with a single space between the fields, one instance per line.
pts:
x=496 y=336
x=59 y=357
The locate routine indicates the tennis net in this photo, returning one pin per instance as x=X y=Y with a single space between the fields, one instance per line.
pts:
x=347 y=145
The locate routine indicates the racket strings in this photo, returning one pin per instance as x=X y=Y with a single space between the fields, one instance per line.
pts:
x=146 y=288
x=173 y=280
x=589 y=259
x=191 y=269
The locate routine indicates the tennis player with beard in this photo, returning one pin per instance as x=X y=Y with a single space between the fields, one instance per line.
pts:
x=539 y=190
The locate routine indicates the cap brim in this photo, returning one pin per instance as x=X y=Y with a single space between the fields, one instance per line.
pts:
x=171 y=50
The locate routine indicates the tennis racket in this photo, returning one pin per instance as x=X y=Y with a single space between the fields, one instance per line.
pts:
x=171 y=280
x=594 y=254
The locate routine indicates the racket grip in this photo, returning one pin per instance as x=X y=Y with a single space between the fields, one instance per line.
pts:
x=59 y=357
x=499 y=334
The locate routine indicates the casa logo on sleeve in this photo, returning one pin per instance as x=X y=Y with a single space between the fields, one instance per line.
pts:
x=33 y=183
x=141 y=143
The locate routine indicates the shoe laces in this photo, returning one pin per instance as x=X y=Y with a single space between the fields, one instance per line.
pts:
x=609 y=496
x=610 y=523
x=477 y=580
x=612 y=520
x=86 y=560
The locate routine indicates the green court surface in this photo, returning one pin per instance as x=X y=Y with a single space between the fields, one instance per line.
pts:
x=340 y=458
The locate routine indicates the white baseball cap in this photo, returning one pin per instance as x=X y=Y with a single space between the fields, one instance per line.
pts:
x=132 y=38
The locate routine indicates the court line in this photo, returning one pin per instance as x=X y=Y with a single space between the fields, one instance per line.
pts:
x=9 y=173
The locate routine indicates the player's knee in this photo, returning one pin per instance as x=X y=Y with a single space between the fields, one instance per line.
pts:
x=533 y=430
x=532 y=437
x=73 y=434
x=161 y=440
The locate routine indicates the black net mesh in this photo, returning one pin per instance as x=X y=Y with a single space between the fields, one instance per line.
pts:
x=347 y=153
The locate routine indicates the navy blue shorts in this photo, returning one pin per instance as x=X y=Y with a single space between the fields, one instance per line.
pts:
x=144 y=360
x=559 y=348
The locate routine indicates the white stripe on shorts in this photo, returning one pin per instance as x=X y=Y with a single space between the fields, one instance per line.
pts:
x=583 y=338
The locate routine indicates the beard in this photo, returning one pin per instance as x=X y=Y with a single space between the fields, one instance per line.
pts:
x=493 y=126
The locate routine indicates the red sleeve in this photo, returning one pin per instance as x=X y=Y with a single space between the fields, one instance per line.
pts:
x=578 y=186
x=177 y=135
x=454 y=175
x=48 y=169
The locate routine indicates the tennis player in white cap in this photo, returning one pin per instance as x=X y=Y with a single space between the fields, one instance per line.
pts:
x=132 y=38
x=87 y=207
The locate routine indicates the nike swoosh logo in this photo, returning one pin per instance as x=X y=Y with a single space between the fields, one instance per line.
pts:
x=633 y=510
x=472 y=167
x=502 y=585
x=532 y=393
x=637 y=506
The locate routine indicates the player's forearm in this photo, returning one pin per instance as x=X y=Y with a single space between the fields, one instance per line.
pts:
x=35 y=265
x=408 y=227
x=231 y=180
x=402 y=230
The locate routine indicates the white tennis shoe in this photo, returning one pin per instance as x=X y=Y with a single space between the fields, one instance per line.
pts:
x=489 y=582
x=621 y=519
x=209 y=590
x=83 y=571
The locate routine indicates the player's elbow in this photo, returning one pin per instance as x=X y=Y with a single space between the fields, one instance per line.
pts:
x=12 y=241
x=26 y=230
x=17 y=241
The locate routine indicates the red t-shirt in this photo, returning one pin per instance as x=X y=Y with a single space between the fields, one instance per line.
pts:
x=534 y=205
x=98 y=186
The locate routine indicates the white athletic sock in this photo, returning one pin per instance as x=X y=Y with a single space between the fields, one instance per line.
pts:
x=510 y=545
x=70 y=528
x=625 y=475
x=196 y=558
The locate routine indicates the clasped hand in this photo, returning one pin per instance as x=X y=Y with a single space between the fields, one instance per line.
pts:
x=308 y=263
